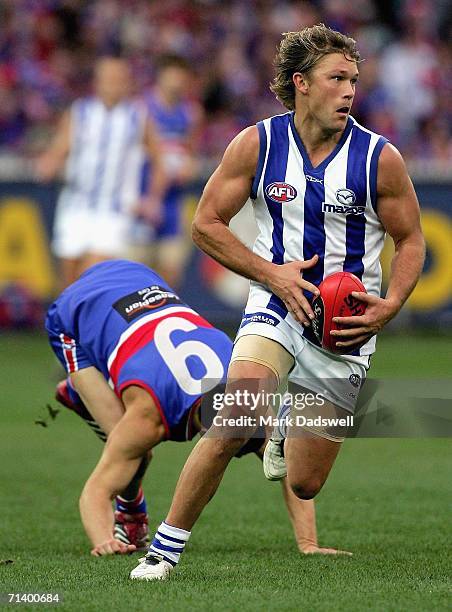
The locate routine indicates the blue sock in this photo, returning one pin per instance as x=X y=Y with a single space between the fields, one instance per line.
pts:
x=73 y=395
x=132 y=506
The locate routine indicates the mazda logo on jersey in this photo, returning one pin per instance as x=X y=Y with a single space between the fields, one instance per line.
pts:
x=281 y=192
x=345 y=196
x=346 y=206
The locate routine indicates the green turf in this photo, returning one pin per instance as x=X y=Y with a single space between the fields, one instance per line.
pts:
x=388 y=501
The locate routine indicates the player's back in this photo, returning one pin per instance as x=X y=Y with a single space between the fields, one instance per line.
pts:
x=106 y=156
x=123 y=319
x=100 y=306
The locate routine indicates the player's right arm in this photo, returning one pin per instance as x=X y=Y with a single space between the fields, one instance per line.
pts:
x=224 y=196
x=52 y=160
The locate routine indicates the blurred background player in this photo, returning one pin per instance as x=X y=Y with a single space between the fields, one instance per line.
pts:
x=121 y=322
x=102 y=141
x=178 y=120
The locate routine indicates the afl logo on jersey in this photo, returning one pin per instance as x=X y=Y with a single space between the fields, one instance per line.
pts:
x=281 y=192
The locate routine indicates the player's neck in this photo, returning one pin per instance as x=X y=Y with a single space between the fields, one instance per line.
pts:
x=317 y=141
x=111 y=103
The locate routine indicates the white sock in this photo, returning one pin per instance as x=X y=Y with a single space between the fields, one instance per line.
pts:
x=169 y=542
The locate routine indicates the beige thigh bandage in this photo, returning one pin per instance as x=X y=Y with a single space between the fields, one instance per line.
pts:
x=264 y=351
x=321 y=418
x=334 y=434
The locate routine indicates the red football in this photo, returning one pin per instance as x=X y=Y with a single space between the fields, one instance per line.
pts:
x=335 y=300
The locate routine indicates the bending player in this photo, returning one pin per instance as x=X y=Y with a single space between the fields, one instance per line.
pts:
x=136 y=356
x=325 y=192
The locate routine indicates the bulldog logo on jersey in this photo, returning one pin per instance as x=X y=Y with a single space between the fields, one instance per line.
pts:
x=281 y=192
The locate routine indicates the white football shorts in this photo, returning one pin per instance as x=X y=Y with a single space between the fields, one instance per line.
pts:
x=337 y=378
x=79 y=230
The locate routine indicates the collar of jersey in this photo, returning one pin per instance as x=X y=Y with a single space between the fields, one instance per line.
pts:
x=332 y=155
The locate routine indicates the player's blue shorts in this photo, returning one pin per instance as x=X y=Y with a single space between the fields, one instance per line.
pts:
x=123 y=319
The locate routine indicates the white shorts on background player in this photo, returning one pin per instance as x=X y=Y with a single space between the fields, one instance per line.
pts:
x=79 y=230
x=332 y=376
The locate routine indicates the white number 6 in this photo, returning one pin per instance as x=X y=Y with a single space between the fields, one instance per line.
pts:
x=176 y=357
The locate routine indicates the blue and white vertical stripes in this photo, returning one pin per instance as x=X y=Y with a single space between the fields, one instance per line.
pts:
x=169 y=542
x=103 y=171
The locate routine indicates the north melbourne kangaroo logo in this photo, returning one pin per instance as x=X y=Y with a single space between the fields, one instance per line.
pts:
x=281 y=192
x=346 y=199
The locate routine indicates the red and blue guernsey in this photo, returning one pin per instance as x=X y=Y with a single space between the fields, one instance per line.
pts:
x=123 y=319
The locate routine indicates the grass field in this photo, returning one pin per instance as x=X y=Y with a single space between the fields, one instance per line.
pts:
x=388 y=501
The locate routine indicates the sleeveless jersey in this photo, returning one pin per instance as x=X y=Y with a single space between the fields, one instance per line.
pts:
x=103 y=170
x=122 y=318
x=329 y=210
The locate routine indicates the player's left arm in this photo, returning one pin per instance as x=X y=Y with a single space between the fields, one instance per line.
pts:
x=398 y=210
x=150 y=206
x=139 y=430
x=302 y=516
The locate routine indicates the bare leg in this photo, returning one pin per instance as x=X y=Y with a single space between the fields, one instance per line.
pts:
x=309 y=459
x=199 y=479
x=69 y=271
x=207 y=462
x=92 y=258
x=131 y=491
x=170 y=258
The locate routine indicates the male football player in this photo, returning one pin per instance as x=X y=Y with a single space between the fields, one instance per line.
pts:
x=139 y=361
x=177 y=119
x=325 y=192
x=102 y=142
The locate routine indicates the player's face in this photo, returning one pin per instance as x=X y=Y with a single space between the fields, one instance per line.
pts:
x=174 y=82
x=331 y=89
x=112 y=81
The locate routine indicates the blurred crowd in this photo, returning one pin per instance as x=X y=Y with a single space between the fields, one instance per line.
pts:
x=48 y=47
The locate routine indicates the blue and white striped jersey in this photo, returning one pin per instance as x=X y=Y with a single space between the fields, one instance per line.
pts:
x=104 y=165
x=329 y=210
